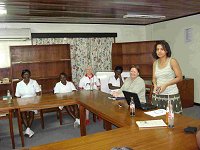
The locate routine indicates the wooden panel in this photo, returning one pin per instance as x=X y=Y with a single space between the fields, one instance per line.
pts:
x=97 y=12
x=130 y=48
x=3 y=89
x=117 y=59
x=186 y=90
x=137 y=59
x=4 y=73
x=39 y=70
x=134 y=53
x=41 y=53
x=116 y=48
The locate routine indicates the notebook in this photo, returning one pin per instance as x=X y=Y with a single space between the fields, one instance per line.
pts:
x=143 y=106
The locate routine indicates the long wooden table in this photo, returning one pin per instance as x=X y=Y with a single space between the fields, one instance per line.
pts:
x=128 y=134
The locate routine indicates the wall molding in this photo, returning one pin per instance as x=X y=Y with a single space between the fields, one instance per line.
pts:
x=72 y=35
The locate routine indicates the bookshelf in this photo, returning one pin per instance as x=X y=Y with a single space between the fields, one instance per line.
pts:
x=45 y=62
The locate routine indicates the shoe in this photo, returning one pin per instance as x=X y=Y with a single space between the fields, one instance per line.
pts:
x=31 y=133
x=87 y=122
x=76 y=123
x=27 y=132
x=60 y=107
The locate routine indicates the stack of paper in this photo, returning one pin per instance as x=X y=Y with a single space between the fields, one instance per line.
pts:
x=155 y=113
x=151 y=123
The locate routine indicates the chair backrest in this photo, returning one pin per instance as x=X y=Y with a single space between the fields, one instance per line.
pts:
x=149 y=92
x=104 y=78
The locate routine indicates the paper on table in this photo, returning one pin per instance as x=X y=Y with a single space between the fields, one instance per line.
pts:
x=2 y=115
x=155 y=113
x=151 y=123
x=116 y=98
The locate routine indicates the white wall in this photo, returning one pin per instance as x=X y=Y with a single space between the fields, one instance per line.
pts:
x=125 y=33
x=5 y=51
x=187 y=54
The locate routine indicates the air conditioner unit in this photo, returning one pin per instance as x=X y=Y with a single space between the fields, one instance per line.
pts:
x=15 y=34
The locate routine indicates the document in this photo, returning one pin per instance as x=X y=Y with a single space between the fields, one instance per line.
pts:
x=2 y=115
x=151 y=123
x=116 y=98
x=156 y=113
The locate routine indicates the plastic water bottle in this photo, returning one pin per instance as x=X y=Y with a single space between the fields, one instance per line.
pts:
x=91 y=85
x=170 y=116
x=167 y=111
x=132 y=108
x=9 y=98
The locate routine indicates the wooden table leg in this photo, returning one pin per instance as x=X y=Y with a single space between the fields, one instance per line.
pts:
x=19 y=120
x=42 y=118
x=11 y=128
x=107 y=125
x=82 y=120
x=60 y=115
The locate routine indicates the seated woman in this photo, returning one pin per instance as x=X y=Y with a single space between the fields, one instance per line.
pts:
x=89 y=82
x=115 y=82
x=65 y=86
x=134 y=84
x=27 y=88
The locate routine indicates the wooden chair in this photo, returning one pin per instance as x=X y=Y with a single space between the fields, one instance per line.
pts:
x=149 y=92
x=48 y=110
x=58 y=114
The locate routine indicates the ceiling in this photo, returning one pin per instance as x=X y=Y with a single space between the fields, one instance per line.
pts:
x=96 y=11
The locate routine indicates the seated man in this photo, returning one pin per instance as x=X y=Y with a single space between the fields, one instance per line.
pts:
x=27 y=88
x=65 y=86
x=89 y=82
x=115 y=82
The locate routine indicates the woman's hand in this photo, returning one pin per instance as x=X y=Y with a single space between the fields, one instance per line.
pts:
x=115 y=93
x=154 y=88
x=162 y=88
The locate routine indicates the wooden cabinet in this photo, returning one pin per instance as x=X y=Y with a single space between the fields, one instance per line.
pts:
x=4 y=73
x=45 y=62
x=134 y=53
x=186 y=90
x=3 y=89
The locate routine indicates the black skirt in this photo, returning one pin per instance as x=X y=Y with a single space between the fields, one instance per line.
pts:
x=161 y=101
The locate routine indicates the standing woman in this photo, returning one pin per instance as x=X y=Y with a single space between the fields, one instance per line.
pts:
x=166 y=74
x=27 y=88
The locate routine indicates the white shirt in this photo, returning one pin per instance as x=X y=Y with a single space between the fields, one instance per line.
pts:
x=27 y=90
x=112 y=80
x=165 y=75
x=87 y=84
x=61 y=88
x=115 y=82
